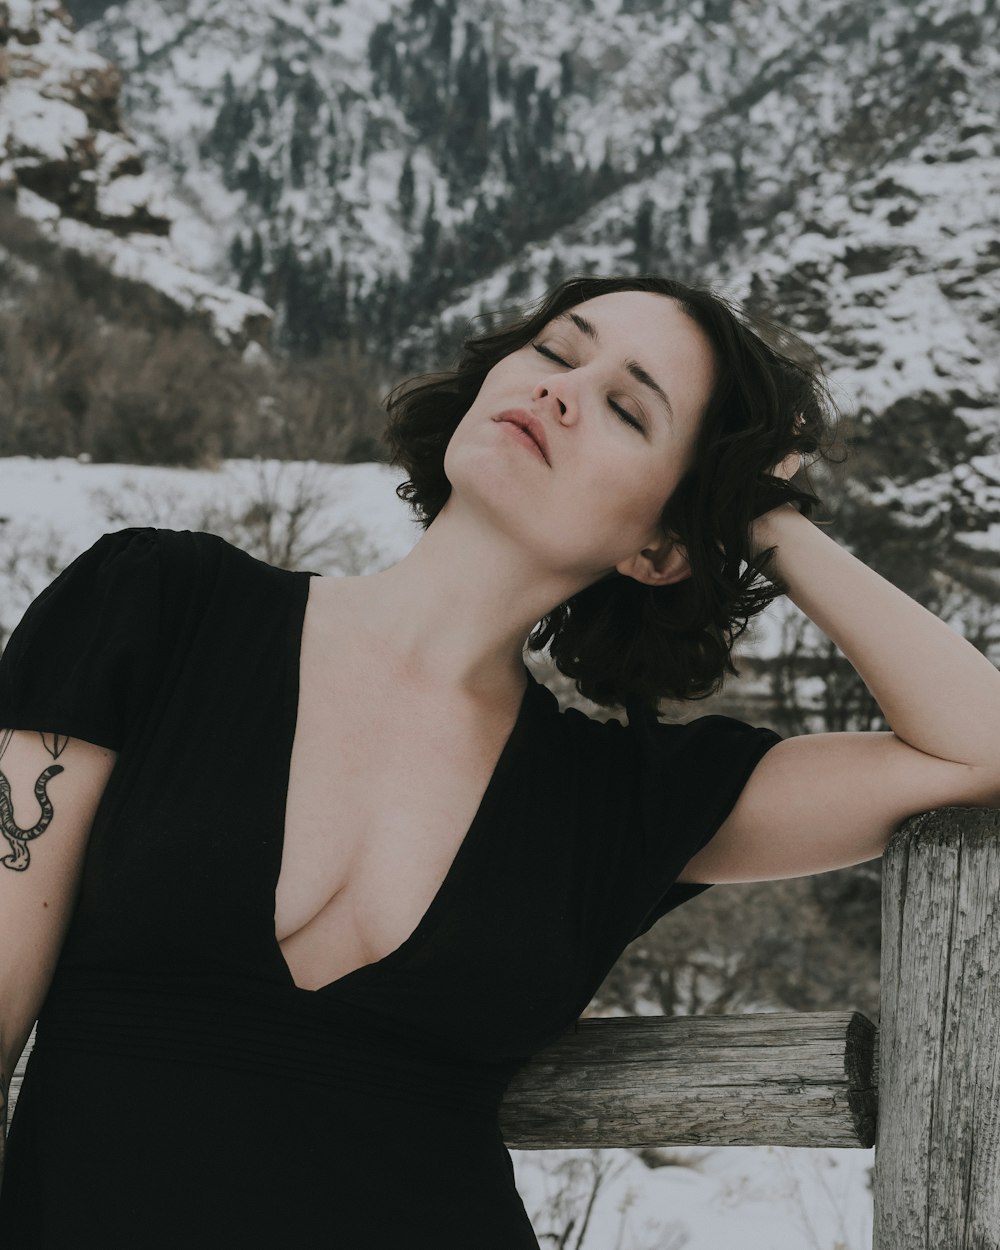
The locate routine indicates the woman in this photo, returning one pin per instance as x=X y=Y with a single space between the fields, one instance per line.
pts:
x=321 y=864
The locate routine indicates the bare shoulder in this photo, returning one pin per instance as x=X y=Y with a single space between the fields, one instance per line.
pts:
x=818 y=802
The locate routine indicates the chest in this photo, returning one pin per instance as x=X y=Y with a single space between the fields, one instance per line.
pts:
x=383 y=786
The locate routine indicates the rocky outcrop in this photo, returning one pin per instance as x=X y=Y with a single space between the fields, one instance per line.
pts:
x=67 y=162
x=62 y=135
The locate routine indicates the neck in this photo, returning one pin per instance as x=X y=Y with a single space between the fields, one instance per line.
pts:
x=456 y=611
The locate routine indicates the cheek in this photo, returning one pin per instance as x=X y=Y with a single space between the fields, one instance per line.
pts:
x=640 y=496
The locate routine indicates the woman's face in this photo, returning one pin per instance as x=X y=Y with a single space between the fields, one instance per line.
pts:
x=615 y=388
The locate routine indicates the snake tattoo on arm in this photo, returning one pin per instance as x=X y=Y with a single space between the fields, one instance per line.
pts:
x=18 y=838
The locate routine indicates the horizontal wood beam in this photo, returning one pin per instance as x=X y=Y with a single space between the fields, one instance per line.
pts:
x=779 y=1078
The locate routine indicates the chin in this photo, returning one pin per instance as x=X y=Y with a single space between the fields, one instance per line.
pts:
x=477 y=470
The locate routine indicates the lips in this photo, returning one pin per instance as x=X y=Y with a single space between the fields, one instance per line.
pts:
x=531 y=426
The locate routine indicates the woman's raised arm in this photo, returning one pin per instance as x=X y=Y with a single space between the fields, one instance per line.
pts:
x=823 y=801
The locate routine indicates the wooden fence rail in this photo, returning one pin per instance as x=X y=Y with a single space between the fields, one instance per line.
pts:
x=923 y=1085
x=781 y=1078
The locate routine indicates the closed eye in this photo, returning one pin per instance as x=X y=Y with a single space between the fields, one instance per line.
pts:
x=623 y=413
x=544 y=351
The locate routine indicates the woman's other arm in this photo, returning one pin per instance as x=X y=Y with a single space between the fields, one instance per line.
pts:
x=50 y=787
x=823 y=801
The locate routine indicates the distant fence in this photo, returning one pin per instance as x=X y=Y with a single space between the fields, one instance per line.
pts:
x=923 y=1086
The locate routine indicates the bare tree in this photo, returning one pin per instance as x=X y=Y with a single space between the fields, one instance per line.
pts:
x=30 y=557
x=280 y=516
x=574 y=1181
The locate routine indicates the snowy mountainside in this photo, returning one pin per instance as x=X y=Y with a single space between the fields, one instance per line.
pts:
x=434 y=139
x=391 y=168
x=69 y=164
x=411 y=162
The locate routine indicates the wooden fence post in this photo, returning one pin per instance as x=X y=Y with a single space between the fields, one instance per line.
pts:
x=937 y=1150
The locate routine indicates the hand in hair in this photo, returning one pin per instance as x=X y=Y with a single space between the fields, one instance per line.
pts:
x=772 y=491
x=790 y=465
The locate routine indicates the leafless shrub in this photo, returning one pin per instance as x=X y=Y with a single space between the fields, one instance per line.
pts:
x=134 y=393
x=325 y=408
x=279 y=515
x=30 y=557
x=94 y=364
x=137 y=502
x=756 y=946
x=280 y=519
x=573 y=1181
x=820 y=1165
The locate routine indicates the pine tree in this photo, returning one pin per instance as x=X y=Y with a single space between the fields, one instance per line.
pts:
x=642 y=237
x=545 y=121
x=440 y=45
x=255 y=257
x=249 y=178
x=723 y=218
x=605 y=176
x=426 y=253
x=468 y=125
x=406 y=191
x=503 y=78
x=567 y=80
x=298 y=151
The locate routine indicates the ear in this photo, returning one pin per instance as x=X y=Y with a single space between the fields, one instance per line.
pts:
x=659 y=565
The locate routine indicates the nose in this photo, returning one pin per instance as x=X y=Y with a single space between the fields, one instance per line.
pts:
x=544 y=391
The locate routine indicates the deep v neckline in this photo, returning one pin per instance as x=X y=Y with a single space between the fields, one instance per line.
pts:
x=300 y=602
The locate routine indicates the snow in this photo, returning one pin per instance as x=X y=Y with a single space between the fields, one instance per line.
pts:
x=924 y=324
x=74 y=499
x=754 y=1197
x=982 y=540
x=112 y=151
x=42 y=128
x=20 y=13
x=149 y=259
x=125 y=194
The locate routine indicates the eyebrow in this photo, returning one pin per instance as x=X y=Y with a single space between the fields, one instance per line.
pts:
x=631 y=366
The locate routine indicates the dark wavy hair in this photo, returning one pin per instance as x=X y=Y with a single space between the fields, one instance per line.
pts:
x=618 y=639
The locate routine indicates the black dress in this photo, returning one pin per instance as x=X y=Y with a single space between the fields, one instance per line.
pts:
x=183 y=1091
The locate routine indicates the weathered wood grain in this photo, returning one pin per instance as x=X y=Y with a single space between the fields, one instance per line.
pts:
x=781 y=1078
x=17 y=1074
x=937 y=1156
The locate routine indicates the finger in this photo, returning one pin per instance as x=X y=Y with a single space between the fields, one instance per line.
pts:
x=788 y=467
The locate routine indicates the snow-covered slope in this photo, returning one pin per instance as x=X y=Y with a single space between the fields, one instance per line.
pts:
x=406 y=163
x=391 y=167
x=339 y=129
x=69 y=164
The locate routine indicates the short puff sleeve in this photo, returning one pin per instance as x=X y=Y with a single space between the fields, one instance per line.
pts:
x=81 y=661
x=692 y=776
